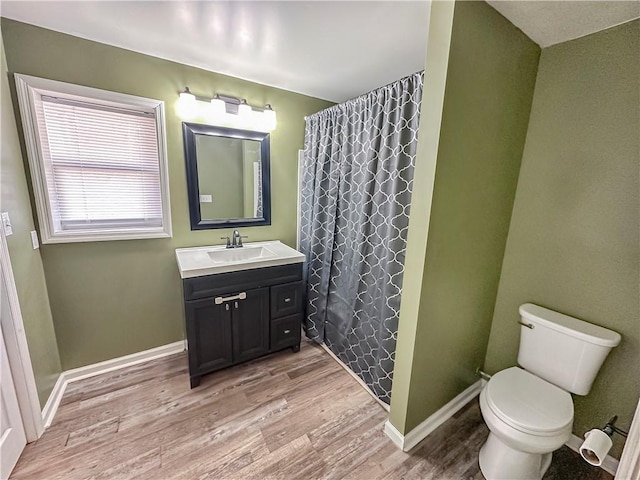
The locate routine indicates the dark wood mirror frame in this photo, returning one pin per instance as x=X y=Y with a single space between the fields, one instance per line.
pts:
x=190 y=130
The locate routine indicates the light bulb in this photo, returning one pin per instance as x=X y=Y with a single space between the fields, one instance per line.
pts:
x=187 y=96
x=218 y=105
x=269 y=116
x=244 y=110
x=187 y=106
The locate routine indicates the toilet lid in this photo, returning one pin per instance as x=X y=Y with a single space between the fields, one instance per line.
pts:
x=529 y=403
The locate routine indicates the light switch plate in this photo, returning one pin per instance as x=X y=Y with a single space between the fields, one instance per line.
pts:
x=34 y=239
x=206 y=199
x=6 y=222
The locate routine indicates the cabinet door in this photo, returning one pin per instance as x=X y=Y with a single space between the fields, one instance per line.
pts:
x=208 y=335
x=250 y=328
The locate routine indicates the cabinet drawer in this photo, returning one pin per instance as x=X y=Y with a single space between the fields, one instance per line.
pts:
x=224 y=283
x=286 y=299
x=285 y=331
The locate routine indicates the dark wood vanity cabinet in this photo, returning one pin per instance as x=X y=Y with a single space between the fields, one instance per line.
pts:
x=238 y=316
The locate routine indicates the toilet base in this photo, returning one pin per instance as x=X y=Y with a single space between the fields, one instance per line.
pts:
x=499 y=461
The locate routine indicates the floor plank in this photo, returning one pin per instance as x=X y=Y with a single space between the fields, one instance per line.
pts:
x=285 y=416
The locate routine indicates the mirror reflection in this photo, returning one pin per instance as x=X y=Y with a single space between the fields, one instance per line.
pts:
x=227 y=176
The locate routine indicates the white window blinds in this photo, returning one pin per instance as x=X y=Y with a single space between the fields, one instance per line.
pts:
x=98 y=162
x=101 y=163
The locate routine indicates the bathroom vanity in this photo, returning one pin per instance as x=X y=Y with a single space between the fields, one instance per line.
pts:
x=239 y=303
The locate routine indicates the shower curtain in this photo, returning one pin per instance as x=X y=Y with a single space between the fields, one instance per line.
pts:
x=355 y=195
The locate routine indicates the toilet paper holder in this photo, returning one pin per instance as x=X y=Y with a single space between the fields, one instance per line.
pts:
x=598 y=442
x=610 y=428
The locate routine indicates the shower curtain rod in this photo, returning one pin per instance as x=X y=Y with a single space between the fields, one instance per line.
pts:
x=361 y=95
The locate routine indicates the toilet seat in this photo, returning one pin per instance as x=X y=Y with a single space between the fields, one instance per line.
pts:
x=529 y=404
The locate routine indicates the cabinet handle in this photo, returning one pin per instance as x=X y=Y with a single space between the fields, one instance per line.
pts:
x=227 y=305
x=287 y=331
x=236 y=304
x=287 y=300
x=240 y=296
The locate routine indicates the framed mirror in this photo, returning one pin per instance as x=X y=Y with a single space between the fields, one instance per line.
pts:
x=227 y=176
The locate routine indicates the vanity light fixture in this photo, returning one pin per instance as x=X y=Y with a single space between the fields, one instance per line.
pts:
x=226 y=111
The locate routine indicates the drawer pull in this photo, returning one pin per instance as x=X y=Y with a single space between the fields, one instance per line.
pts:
x=240 y=296
x=287 y=331
x=287 y=300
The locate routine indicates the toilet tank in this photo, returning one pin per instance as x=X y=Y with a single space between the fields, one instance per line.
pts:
x=563 y=350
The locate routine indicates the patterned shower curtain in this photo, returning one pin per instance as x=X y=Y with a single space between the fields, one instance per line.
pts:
x=355 y=195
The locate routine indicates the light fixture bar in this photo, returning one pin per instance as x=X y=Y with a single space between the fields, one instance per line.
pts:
x=226 y=110
x=232 y=102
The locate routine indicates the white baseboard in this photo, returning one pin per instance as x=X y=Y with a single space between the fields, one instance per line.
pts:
x=416 y=435
x=75 y=374
x=419 y=433
x=394 y=434
x=609 y=464
x=51 y=407
x=356 y=377
x=87 y=371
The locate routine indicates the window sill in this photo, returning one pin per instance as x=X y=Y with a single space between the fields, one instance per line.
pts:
x=104 y=236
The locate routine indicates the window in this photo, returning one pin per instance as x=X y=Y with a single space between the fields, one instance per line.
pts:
x=98 y=162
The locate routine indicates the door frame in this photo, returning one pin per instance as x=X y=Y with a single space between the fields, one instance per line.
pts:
x=18 y=351
x=14 y=438
x=629 y=466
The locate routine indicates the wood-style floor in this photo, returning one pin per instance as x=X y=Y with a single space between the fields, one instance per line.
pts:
x=286 y=416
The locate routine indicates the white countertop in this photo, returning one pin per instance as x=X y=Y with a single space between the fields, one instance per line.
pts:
x=200 y=261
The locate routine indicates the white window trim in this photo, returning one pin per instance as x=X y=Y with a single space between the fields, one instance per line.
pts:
x=29 y=89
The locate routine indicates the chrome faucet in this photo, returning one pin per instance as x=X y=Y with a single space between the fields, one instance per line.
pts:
x=237 y=240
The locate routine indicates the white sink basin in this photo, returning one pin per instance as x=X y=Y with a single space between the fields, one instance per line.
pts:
x=200 y=261
x=234 y=255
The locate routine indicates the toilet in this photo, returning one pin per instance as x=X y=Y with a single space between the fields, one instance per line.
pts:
x=529 y=409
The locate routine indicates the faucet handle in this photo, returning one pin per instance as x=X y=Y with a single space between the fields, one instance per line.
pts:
x=228 y=241
x=240 y=237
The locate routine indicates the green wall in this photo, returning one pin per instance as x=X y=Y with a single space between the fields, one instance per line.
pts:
x=574 y=244
x=110 y=299
x=25 y=261
x=435 y=79
x=489 y=87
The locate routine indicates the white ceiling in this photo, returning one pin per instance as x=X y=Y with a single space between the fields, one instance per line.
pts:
x=551 y=22
x=329 y=50
x=333 y=50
